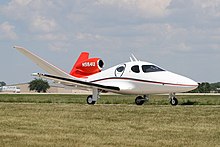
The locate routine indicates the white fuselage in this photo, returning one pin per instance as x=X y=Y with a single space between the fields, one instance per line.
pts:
x=139 y=77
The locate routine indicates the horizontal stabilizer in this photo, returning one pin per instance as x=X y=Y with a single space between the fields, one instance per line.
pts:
x=70 y=82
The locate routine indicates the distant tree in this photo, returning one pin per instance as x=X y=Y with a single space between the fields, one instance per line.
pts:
x=195 y=90
x=214 y=86
x=203 y=87
x=2 y=83
x=39 y=85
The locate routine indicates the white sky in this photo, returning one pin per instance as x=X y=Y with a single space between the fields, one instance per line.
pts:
x=178 y=35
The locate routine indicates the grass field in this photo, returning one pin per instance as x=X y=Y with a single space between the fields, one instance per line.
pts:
x=108 y=99
x=65 y=120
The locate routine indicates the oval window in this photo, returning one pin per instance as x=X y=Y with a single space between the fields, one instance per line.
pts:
x=120 y=70
x=135 y=69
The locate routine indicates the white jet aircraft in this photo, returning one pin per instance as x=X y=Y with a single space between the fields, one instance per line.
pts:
x=134 y=77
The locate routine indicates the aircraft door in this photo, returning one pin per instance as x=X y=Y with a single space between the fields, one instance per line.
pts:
x=120 y=70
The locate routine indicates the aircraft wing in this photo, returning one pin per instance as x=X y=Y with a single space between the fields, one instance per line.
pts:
x=71 y=82
x=58 y=75
x=42 y=63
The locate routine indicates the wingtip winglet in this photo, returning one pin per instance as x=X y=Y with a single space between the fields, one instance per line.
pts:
x=18 y=47
x=15 y=46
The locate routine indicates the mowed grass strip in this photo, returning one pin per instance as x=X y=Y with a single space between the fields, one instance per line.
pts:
x=108 y=125
x=109 y=99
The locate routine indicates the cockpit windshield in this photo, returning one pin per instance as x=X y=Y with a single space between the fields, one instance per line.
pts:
x=151 y=68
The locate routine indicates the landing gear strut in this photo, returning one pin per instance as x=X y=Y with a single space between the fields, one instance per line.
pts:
x=140 y=100
x=173 y=99
x=91 y=99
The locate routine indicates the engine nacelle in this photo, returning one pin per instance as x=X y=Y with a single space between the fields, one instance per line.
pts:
x=87 y=66
x=90 y=66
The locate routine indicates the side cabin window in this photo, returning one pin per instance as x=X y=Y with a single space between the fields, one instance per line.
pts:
x=150 y=68
x=135 y=69
x=120 y=70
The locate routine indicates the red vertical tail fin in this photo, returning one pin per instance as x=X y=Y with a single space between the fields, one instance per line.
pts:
x=86 y=66
x=83 y=56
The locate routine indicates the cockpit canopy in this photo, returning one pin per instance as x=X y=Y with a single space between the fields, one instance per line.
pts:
x=150 y=68
x=144 y=68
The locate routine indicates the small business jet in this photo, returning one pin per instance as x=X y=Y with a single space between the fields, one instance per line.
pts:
x=134 y=77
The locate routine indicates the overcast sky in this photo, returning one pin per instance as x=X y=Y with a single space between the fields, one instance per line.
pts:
x=182 y=36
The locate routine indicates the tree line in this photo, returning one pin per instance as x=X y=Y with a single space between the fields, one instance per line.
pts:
x=2 y=83
x=206 y=87
x=40 y=85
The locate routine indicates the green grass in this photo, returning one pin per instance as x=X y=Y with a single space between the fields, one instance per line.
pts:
x=109 y=99
x=108 y=125
x=65 y=120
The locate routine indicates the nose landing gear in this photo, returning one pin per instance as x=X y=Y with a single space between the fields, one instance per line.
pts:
x=173 y=99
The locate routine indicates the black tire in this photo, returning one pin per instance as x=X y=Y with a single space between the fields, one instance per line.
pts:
x=90 y=101
x=173 y=101
x=139 y=100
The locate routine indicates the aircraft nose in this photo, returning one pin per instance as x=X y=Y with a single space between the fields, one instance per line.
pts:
x=194 y=83
x=191 y=84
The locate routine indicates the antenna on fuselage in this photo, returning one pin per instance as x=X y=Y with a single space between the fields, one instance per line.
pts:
x=133 y=58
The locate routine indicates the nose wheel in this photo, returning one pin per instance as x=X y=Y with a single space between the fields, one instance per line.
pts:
x=173 y=99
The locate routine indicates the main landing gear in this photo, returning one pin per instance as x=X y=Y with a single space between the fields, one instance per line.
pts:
x=140 y=100
x=91 y=99
x=173 y=99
